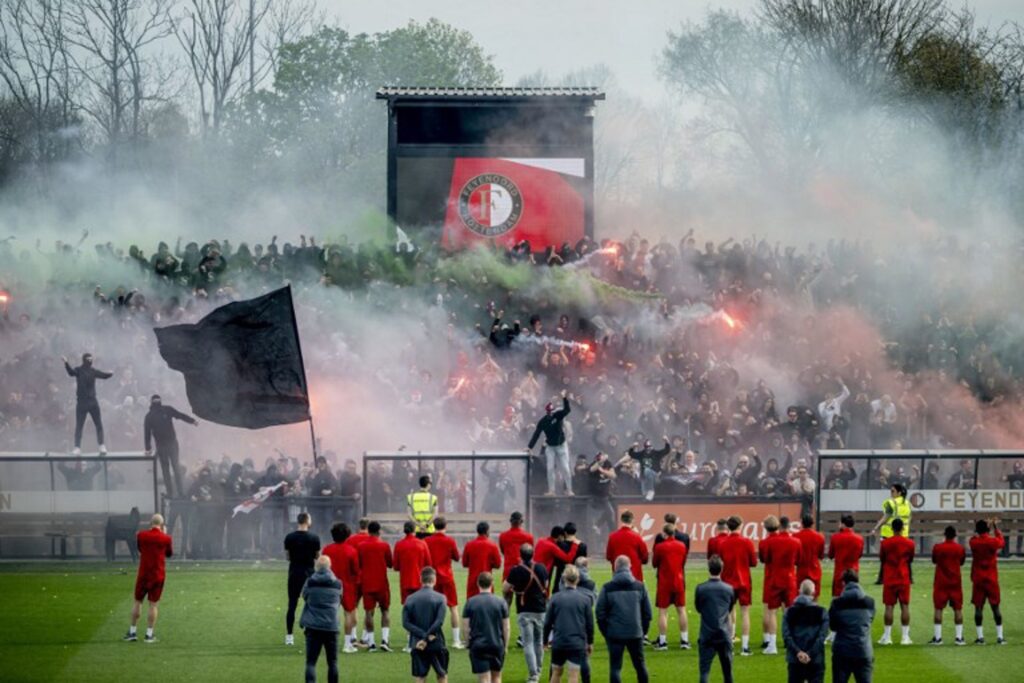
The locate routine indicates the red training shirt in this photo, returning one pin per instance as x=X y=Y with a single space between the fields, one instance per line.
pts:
x=714 y=542
x=670 y=559
x=812 y=551
x=948 y=557
x=783 y=556
x=762 y=555
x=154 y=549
x=984 y=549
x=411 y=556
x=510 y=541
x=845 y=548
x=480 y=555
x=443 y=551
x=627 y=542
x=895 y=554
x=547 y=551
x=738 y=556
x=374 y=562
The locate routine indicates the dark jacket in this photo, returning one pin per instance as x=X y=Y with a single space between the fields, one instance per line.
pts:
x=85 y=381
x=623 y=608
x=159 y=425
x=321 y=597
x=551 y=425
x=714 y=600
x=570 y=616
x=850 y=616
x=423 y=616
x=804 y=629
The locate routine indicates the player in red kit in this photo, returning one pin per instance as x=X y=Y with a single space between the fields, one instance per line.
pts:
x=510 y=541
x=480 y=555
x=411 y=555
x=354 y=542
x=549 y=552
x=345 y=565
x=845 y=548
x=781 y=557
x=947 y=588
x=985 y=577
x=812 y=552
x=443 y=551
x=738 y=556
x=625 y=541
x=721 y=531
x=771 y=530
x=670 y=560
x=374 y=562
x=154 y=549
x=895 y=555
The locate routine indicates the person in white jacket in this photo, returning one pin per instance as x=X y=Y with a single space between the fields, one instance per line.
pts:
x=833 y=405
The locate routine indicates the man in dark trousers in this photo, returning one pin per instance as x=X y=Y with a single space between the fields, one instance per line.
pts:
x=321 y=597
x=556 y=449
x=487 y=625
x=804 y=630
x=714 y=600
x=85 y=392
x=850 y=616
x=423 y=618
x=623 y=617
x=569 y=629
x=159 y=426
x=302 y=548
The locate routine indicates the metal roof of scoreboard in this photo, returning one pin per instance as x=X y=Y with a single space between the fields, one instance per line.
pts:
x=389 y=92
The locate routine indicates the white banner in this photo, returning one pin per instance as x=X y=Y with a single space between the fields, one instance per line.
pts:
x=931 y=500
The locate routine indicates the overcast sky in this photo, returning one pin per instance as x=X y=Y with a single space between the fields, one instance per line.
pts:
x=562 y=35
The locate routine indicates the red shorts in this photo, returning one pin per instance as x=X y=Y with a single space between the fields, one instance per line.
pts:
x=145 y=585
x=447 y=589
x=952 y=596
x=983 y=591
x=893 y=594
x=779 y=596
x=742 y=595
x=670 y=595
x=373 y=598
x=350 y=596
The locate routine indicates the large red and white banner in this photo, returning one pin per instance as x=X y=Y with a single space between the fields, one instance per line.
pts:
x=509 y=200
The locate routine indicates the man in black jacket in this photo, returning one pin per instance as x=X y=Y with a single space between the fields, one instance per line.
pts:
x=85 y=392
x=850 y=616
x=570 y=618
x=556 y=448
x=159 y=426
x=423 y=617
x=623 y=617
x=714 y=600
x=804 y=630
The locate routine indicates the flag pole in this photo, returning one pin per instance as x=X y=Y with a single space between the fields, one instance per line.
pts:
x=302 y=366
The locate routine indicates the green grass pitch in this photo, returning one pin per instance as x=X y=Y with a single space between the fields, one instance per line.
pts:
x=222 y=621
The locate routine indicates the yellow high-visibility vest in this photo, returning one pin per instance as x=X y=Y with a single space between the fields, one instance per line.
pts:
x=423 y=504
x=893 y=508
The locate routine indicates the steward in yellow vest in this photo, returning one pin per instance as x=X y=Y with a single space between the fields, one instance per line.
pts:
x=422 y=505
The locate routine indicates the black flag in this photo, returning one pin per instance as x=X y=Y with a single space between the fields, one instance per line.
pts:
x=242 y=363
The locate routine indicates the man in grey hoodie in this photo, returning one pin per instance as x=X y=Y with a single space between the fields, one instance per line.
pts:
x=623 y=616
x=850 y=617
x=714 y=600
x=321 y=598
x=570 y=618
x=804 y=630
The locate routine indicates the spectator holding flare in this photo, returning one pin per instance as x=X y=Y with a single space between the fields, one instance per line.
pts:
x=738 y=557
x=375 y=560
x=985 y=576
x=569 y=629
x=155 y=546
x=321 y=596
x=623 y=617
x=849 y=617
x=480 y=555
x=86 y=404
x=528 y=580
x=895 y=555
x=487 y=626
x=552 y=425
x=625 y=541
x=670 y=560
x=947 y=588
x=511 y=540
x=443 y=551
x=804 y=631
x=345 y=566
x=812 y=552
x=302 y=548
x=159 y=426
x=423 y=617
x=714 y=600
x=411 y=555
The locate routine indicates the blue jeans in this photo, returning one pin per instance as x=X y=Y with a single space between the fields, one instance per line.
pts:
x=558 y=461
x=647 y=481
x=531 y=629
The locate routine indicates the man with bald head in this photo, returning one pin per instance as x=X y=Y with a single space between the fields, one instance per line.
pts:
x=154 y=549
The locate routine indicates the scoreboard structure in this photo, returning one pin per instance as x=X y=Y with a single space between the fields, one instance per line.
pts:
x=478 y=165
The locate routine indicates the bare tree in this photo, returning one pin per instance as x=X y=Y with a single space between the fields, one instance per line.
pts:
x=35 y=69
x=286 y=20
x=218 y=37
x=115 y=41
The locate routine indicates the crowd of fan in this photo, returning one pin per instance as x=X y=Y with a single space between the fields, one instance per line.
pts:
x=689 y=401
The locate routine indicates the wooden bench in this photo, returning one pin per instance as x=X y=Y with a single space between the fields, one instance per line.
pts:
x=58 y=529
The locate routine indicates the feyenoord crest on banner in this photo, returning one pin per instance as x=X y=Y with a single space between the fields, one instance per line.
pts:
x=490 y=204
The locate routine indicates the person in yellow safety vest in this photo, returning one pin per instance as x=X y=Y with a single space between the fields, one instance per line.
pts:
x=896 y=507
x=422 y=506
